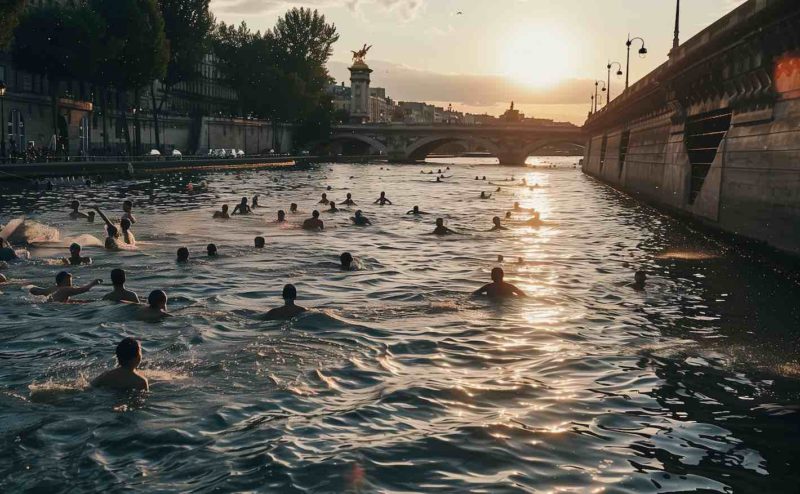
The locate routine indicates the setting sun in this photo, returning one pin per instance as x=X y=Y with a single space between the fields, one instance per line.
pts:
x=538 y=56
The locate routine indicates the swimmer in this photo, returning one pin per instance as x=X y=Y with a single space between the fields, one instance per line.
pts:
x=63 y=289
x=259 y=242
x=75 y=213
x=534 y=221
x=497 y=189
x=281 y=216
x=222 y=214
x=293 y=208
x=289 y=309
x=254 y=202
x=127 y=206
x=484 y=177
x=90 y=216
x=111 y=242
x=499 y=288
x=314 y=223
x=476 y=177
x=75 y=258
x=324 y=199
x=438 y=180
x=484 y=195
x=346 y=260
x=156 y=308
x=120 y=293
x=382 y=199
x=360 y=220
x=500 y=258
x=415 y=211
x=124 y=377
x=524 y=182
x=639 y=280
x=6 y=252
x=497 y=225
x=333 y=208
x=242 y=207
x=349 y=201
x=211 y=249
x=441 y=229
x=183 y=255
x=127 y=234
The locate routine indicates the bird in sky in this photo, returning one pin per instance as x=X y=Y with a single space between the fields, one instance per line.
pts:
x=459 y=13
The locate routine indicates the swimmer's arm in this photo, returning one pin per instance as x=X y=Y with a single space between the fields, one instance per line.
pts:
x=516 y=291
x=481 y=290
x=71 y=291
x=132 y=218
x=390 y=202
x=43 y=292
x=102 y=215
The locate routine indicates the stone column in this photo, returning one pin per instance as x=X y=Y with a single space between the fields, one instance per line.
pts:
x=359 y=99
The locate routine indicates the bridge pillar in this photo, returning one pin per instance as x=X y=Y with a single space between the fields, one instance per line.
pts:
x=514 y=157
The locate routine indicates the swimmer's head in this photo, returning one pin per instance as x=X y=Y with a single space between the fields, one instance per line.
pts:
x=125 y=224
x=497 y=275
x=315 y=214
x=183 y=254
x=439 y=222
x=75 y=205
x=383 y=194
x=476 y=177
x=118 y=277
x=157 y=300
x=63 y=279
x=346 y=259
x=293 y=207
x=496 y=220
x=358 y=214
x=75 y=249
x=260 y=242
x=244 y=201
x=330 y=188
x=129 y=353
x=516 y=205
x=211 y=249
x=224 y=208
x=127 y=206
x=349 y=195
x=333 y=205
x=289 y=292
x=91 y=216
x=500 y=258
x=112 y=231
x=324 y=196
x=508 y=214
x=415 y=209
x=281 y=215
x=640 y=277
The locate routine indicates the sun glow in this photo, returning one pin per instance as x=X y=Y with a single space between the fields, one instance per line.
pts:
x=538 y=56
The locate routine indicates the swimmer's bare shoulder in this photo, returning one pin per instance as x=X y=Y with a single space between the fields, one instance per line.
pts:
x=283 y=313
x=148 y=314
x=121 y=379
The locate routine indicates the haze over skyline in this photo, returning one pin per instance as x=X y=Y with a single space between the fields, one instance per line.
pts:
x=544 y=55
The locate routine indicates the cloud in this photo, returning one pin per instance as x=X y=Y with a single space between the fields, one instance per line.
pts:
x=410 y=84
x=405 y=8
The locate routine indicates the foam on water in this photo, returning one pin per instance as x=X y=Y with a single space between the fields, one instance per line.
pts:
x=396 y=380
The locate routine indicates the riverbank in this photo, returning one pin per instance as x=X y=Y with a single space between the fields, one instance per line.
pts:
x=32 y=171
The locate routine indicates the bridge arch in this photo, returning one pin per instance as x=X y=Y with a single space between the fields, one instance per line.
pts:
x=420 y=148
x=373 y=143
x=534 y=146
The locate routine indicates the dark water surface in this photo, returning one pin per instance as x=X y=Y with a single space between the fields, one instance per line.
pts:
x=398 y=381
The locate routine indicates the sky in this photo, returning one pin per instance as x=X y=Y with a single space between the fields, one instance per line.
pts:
x=542 y=54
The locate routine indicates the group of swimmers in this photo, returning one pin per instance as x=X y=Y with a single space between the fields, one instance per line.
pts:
x=129 y=351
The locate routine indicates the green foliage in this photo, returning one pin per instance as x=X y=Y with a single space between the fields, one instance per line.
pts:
x=10 y=13
x=281 y=75
x=187 y=26
x=137 y=46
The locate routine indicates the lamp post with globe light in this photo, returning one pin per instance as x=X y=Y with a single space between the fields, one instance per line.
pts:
x=596 y=99
x=608 y=84
x=642 y=53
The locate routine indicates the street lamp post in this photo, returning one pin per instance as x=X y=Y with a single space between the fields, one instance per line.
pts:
x=608 y=84
x=591 y=105
x=642 y=53
x=3 y=121
x=596 y=99
x=676 y=39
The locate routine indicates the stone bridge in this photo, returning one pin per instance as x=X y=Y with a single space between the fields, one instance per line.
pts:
x=511 y=144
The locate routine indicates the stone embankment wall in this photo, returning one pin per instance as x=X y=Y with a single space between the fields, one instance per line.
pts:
x=715 y=132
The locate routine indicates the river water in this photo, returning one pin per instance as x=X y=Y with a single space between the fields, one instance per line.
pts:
x=398 y=381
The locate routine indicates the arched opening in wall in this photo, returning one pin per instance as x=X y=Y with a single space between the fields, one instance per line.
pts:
x=703 y=134
x=420 y=150
x=346 y=145
x=623 y=150
x=603 y=147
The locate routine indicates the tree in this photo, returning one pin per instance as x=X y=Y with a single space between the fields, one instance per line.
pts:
x=187 y=27
x=10 y=12
x=138 y=51
x=58 y=43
